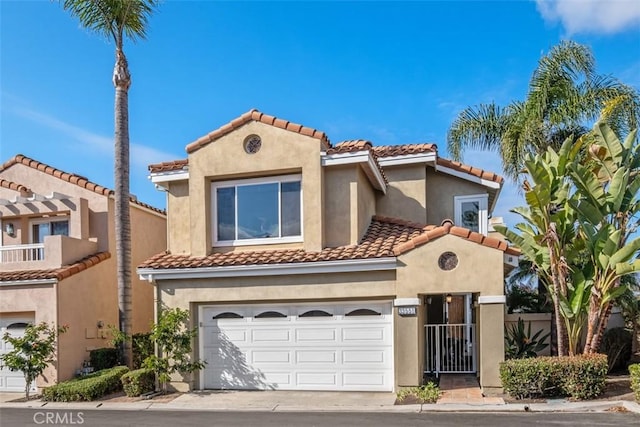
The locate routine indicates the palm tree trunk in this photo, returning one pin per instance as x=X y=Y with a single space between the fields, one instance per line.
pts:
x=559 y=286
x=122 y=81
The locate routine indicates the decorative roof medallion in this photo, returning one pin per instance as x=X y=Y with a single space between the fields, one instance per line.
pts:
x=252 y=144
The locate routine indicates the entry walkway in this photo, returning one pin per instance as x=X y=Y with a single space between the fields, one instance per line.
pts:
x=464 y=389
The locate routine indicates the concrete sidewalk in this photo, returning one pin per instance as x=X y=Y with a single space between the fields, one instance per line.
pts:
x=292 y=401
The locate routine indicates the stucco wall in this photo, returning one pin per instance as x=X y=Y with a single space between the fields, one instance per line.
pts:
x=32 y=301
x=86 y=298
x=179 y=218
x=148 y=237
x=406 y=194
x=337 y=204
x=366 y=204
x=282 y=152
x=441 y=189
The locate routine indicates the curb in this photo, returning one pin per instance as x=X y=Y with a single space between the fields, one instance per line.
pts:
x=424 y=408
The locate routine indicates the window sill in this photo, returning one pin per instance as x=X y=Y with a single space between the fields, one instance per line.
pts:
x=258 y=242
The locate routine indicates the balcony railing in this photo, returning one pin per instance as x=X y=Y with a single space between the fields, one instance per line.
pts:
x=21 y=253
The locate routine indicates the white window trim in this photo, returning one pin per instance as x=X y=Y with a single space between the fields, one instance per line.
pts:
x=252 y=181
x=483 y=214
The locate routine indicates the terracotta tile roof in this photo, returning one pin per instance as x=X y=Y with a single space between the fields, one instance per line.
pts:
x=55 y=273
x=489 y=176
x=385 y=237
x=78 y=180
x=255 y=115
x=173 y=165
x=404 y=149
x=14 y=186
x=350 y=146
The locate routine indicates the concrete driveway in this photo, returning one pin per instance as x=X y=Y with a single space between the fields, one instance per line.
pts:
x=283 y=400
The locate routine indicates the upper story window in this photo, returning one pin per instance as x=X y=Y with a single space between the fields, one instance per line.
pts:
x=471 y=212
x=48 y=227
x=257 y=211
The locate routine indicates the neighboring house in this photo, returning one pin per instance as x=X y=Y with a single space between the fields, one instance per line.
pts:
x=57 y=261
x=312 y=266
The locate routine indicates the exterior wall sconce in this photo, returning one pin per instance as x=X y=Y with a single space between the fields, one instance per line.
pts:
x=10 y=229
x=429 y=300
x=100 y=324
x=448 y=298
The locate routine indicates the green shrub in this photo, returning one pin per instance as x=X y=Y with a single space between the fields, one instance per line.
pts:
x=428 y=393
x=579 y=377
x=142 y=348
x=634 y=373
x=87 y=388
x=138 y=382
x=103 y=358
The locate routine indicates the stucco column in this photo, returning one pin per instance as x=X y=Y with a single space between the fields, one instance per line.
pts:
x=491 y=342
x=407 y=344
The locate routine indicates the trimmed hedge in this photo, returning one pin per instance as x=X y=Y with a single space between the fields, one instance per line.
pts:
x=634 y=374
x=138 y=382
x=103 y=358
x=87 y=388
x=579 y=377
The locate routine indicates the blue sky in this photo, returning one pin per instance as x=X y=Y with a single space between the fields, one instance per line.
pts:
x=389 y=72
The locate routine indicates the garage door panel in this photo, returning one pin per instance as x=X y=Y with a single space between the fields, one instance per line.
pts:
x=363 y=334
x=316 y=356
x=316 y=379
x=317 y=334
x=335 y=352
x=12 y=380
x=270 y=335
x=363 y=379
x=273 y=356
x=371 y=356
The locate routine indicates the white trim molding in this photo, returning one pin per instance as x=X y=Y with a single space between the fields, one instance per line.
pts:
x=404 y=302
x=483 y=214
x=365 y=159
x=177 y=175
x=492 y=299
x=407 y=159
x=28 y=282
x=320 y=267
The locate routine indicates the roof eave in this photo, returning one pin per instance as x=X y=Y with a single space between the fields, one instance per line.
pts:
x=318 y=267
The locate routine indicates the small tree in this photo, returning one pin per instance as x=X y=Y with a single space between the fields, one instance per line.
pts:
x=32 y=352
x=173 y=338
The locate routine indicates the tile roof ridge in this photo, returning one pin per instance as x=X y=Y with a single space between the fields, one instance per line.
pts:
x=81 y=265
x=405 y=149
x=447 y=227
x=11 y=185
x=59 y=273
x=257 y=116
x=72 y=178
x=170 y=165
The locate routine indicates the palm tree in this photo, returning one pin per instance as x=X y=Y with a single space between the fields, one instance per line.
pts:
x=565 y=96
x=117 y=20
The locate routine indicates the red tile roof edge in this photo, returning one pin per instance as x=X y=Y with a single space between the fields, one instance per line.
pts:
x=404 y=149
x=10 y=185
x=78 y=180
x=447 y=227
x=56 y=273
x=169 y=166
x=480 y=173
x=255 y=115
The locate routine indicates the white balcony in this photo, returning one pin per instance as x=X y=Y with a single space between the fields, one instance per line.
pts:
x=55 y=252
x=21 y=253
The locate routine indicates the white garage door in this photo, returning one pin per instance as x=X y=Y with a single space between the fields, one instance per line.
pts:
x=298 y=347
x=11 y=381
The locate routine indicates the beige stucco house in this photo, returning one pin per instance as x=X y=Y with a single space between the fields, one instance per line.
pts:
x=57 y=261
x=312 y=266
